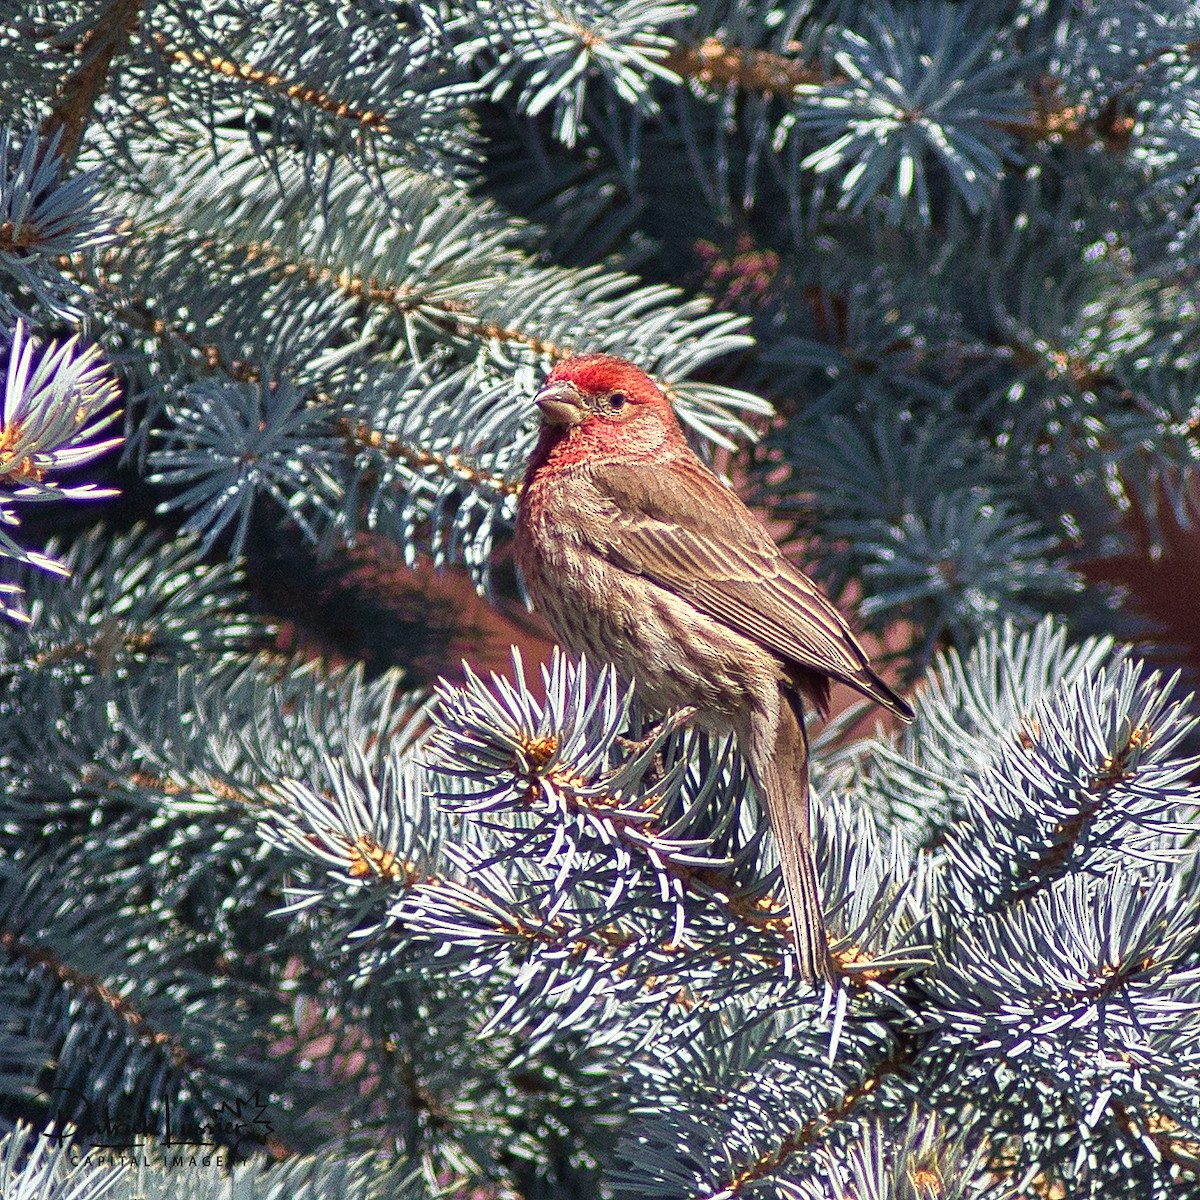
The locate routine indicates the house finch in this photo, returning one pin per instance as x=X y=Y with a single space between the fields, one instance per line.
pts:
x=639 y=556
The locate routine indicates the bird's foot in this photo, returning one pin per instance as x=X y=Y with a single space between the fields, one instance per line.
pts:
x=671 y=723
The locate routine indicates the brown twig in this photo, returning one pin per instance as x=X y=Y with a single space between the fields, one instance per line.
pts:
x=1114 y=770
x=18 y=239
x=360 y=435
x=81 y=983
x=77 y=93
x=456 y=317
x=718 y=65
x=1169 y=1138
x=273 y=81
x=808 y=1133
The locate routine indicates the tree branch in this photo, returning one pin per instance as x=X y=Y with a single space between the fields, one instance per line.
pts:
x=78 y=91
x=271 y=81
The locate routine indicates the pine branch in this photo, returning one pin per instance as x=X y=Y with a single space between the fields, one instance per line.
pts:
x=458 y=318
x=133 y=309
x=896 y=1063
x=44 y=219
x=89 y=988
x=638 y=827
x=360 y=436
x=1162 y=1135
x=718 y=65
x=209 y=357
x=272 y=81
x=104 y=42
x=1116 y=769
x=681 y=836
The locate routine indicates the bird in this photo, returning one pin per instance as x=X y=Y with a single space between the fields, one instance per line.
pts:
x=641 y=557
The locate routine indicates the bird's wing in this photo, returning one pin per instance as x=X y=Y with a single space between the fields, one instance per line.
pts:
x=681 y=527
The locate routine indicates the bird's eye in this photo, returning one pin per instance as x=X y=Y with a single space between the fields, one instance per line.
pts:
x=617 y=400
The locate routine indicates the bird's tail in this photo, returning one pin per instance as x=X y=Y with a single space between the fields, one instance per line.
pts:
x=778 y=757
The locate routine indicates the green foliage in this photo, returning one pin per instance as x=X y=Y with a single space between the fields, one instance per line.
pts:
x=55 y=406
x=45 y=218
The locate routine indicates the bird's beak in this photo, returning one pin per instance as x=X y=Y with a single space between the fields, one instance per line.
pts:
x=561 y=403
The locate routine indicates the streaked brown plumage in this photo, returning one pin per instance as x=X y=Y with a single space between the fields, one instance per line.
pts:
x=639 y=556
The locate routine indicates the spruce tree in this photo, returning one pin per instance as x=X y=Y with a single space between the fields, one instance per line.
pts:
x=277 y=282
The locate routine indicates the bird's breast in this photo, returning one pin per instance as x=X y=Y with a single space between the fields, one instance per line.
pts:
x=675 y=654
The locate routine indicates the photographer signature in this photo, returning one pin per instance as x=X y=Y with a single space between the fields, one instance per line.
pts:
x=232 y=1121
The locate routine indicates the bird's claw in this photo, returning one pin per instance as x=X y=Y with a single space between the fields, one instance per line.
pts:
x=671 y=723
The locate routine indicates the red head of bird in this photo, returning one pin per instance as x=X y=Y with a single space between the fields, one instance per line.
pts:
x=594 y=405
